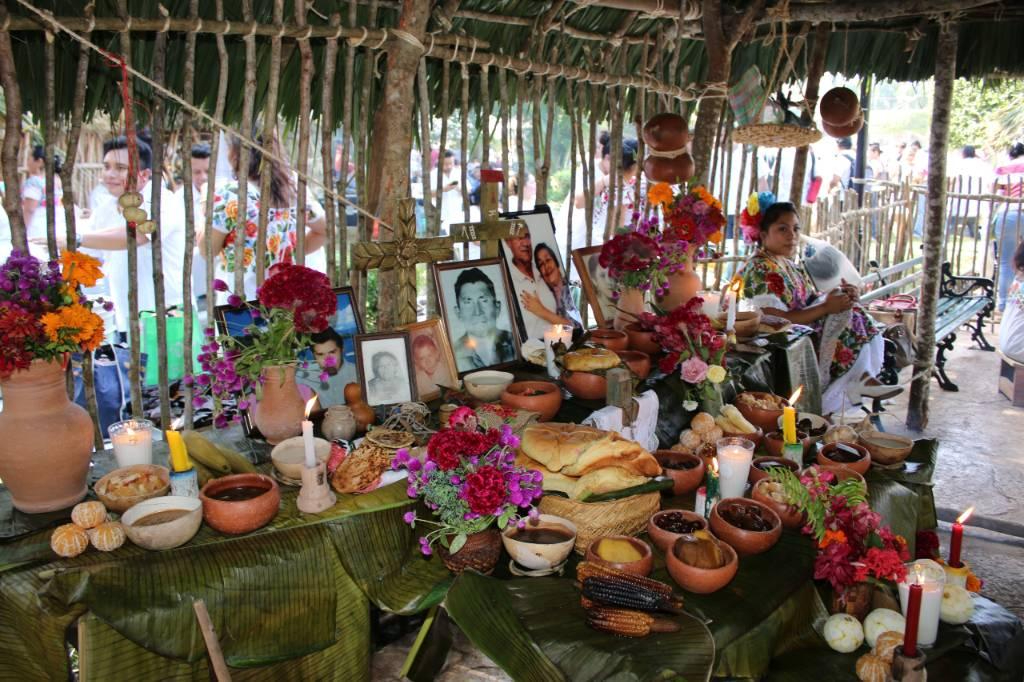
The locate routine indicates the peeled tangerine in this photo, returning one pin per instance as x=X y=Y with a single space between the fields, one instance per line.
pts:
x=700 y=549
x=886 y=643
x=871 y=668
x=107 y=537
x=89 y=514
x=843 y=633
x=881 y=620
x=957 y=605
x=69 y=540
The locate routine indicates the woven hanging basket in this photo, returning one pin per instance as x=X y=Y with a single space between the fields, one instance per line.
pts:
x=593 y=520
x=776 y=135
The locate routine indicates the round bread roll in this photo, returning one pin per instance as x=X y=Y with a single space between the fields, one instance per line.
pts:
x=713 y=434
x=702 y=422
x=590 y=359
x=690 y=439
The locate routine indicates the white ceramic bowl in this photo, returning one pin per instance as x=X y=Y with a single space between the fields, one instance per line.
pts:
x=289 y=456
x=487 y=385
x=817 y=421
x=537 y=556
x=167 y=535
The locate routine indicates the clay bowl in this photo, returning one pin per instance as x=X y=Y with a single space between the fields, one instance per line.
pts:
x=886 y=449
x=745 y=542
x=861 y=466
x=639 y=363
x=664 y=539
x=586 y=385
x=121 y=503
x=765 y=420
x=612 y=339
x=487 y=385
x=701 y=580
x=817 y=421
x=747 y=323
x=757 y=437
x=169 y=534
x=790 y=516
x=289 y=456
x=538 y=556
x=756 y=474
x=542 y=397
x=234 y=517
x=641 y=566
x=683 y=480
x=773 y=443
x=641 y=340
x=842 y=473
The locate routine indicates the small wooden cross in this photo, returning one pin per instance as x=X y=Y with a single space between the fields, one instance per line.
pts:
x=492 y=229
x=402 y=254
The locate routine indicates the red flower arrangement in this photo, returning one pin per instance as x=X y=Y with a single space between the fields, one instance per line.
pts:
x=447 y=446
x=693 y=349
x=306 y=292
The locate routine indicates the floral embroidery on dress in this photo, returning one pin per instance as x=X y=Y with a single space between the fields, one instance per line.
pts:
x=280 y=228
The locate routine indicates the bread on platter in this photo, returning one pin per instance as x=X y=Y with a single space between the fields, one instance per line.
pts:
x=590 y=359
x=603 y=480
x=575 y=450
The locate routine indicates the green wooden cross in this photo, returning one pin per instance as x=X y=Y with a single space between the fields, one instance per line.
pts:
x=492 y=229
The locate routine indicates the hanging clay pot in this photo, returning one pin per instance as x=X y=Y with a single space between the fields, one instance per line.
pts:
x=675 y=170
x=630 y=304
x=839 y=106
x=847 y=130
x=281 y=410
x=666 y=132
x=45 y=440
x=682 y=286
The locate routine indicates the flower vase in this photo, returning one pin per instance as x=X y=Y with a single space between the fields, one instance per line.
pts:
x=855 y=600
x=281 y=409
x=45 y=440
x=630 y=304
x=682 y=286
x=481 y=552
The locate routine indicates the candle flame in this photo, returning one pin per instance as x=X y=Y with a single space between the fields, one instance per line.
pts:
x=966 y=515
x=471 y=343
x=796 y=395
x=737 y=286
x=919 y=574
x=309 y=405
x=714 y=465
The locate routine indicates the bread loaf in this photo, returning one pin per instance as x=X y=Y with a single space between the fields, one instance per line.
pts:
x=590 y=359
x=575 y=450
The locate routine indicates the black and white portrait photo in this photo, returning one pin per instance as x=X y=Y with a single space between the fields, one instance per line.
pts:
x=385 y=368
x=477 y=310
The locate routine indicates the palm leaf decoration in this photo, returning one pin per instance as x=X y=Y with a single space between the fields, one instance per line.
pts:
x=816 y=507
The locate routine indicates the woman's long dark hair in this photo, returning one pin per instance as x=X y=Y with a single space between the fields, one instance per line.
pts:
x=551 y=252
x=774 y=212
x=282 y=188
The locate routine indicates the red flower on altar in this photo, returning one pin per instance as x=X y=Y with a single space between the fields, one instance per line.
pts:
x=775 y=283
x=485 y=490
x=447 y=447
x=883 y=564
x=927 y=544
x=629 y=252
x=306 y=292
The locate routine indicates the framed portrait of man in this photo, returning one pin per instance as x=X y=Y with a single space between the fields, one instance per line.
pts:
x=597 y=285
x=477 y=311
x=332 y=353
x=432 y=358
x=542 y=296
x=385 y=368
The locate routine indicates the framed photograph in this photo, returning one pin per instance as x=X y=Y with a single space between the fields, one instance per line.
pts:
x=477 y=311
x=597 y=286
x=333 y=352
x=233 y=321
x=539 y=281
x=432 y=358
x=385 y=368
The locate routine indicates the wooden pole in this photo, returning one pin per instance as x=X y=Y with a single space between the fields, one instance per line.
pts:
x=49 y=132
x=431 y=208
x=12 y=140
x=220 y=666
x=815 y=70
x=269 y=124
x=187 y=194
x=218 y=113
x=442 y=142
x=305 y=108
x=362 y=153
x=327 y=128
x=521 y=87
x=924 y=351
x=248 y=104
x=344 y=178
x=503 y=97
x=156 y=238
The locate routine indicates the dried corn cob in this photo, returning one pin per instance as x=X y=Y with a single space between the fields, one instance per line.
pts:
x=626 y=622
x=619 y=592
x=590 y=569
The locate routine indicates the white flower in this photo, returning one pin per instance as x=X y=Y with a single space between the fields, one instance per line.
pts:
x=690 y=405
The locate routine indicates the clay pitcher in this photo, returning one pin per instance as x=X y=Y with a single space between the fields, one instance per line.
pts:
x=630 y=304
x=682 y=286
x=281 y=410
x=45 y=440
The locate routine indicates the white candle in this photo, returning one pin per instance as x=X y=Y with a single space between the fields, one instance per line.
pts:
x=932 y=579
x=734 y=458
x=558 y=332
x=730 y=316
x=133 y=442
x=307 y=435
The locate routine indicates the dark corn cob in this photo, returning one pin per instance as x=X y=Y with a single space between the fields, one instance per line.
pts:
x=627 y=623
x=588 y=603
x=590 y=569
x=618 y=592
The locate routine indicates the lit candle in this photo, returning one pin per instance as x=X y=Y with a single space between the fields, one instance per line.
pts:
x=133 y=441
x=179 y=454
x=957 y=539
x=734 y=458
x=558 y=332
x=913 y=617
x=711 y=488
x=730 y=315
x=789 y=418
x=307 y=435
x=929 y=577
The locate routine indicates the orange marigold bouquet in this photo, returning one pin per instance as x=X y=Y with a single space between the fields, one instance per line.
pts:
x=43 y=313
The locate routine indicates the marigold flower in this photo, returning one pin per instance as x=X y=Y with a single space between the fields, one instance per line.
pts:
x=660 y=194
x=832 y=536
x=80 y=269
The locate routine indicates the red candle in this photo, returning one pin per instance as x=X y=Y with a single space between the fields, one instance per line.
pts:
x=913 y=615
x=956 y=541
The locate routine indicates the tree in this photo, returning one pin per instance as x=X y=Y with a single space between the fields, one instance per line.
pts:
x=985 y=113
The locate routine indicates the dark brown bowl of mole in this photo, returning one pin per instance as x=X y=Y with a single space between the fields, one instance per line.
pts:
x=240 y=503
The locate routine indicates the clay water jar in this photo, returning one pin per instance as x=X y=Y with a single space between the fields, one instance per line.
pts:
x=235 y=517
x=641 y=340
x=281 y=409
x=612 y=339
x=639 y=363
x=683 y=480
x=859 y=466
x=45 y=440
x=745 y=542
x=542 y=397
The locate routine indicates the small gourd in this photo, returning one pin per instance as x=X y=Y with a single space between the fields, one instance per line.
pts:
x=89 y=514
x=882 y=620
x=843 y=633
x=957 y=605
x=69 y=540
x=107 y=537
x=886 y=643
x=871 y=668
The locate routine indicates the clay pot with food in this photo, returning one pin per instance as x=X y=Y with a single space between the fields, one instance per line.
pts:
x=750 y=527
x=668 y=525
x=622 y=552
x=639 y=363
x=612 y=339
x=773 y=443
x=850 y=455
x=642 y=340
x=542 y=397
x=701 y=563
x=769 y=493
x=760 y=409
x=685 y=470
x=761 y=467
x=240 y=503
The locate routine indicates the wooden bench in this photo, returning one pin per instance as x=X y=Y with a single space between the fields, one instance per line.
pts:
x=1011 y=380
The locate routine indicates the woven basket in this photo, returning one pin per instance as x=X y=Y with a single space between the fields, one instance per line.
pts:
x=775 y=135
x=593 y=520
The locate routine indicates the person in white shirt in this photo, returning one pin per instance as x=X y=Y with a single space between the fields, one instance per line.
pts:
x=536 y=301
x=1011 y=328
x=451 y=191
x=974 y=176
x=200 y=175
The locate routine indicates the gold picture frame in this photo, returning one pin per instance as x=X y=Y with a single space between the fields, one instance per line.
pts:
x=432 y=330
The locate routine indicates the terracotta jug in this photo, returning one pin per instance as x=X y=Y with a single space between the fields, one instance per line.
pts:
x=630 y=304
x=682 y=286
x=281 y=410
x=45 y=440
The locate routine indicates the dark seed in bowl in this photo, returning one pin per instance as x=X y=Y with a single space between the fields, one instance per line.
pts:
x=675 y=522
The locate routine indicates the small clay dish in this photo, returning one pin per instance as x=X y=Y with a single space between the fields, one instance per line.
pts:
x=641 y=566
x=841 y=472
x=663 y=538
x=765 y=419
x=539 y=556
x=641 y=340
x=487 y=385
x=887 y=449
x=757 y=473
x=639 y=363
x=745 y=542
x=289 y=456
x=542 y=397
x=684 y=480
x=757 y=437
x=612 y=339
x=773 y=443
x=586 y=385
x=243 y=515
x=168 y=534
x=701 y=580
x=861 y=465
x=122 y=503
x=790 y=516
x=746 y=326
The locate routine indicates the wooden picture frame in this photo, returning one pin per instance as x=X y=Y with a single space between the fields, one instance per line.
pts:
x=597 y=295
x=402 y=388
x=446 y=375
x=493 y=275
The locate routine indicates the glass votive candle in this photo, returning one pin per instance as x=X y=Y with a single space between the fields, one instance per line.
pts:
x=734 y=458
x=932 y=578
x=712 y=300
x=133 y=441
